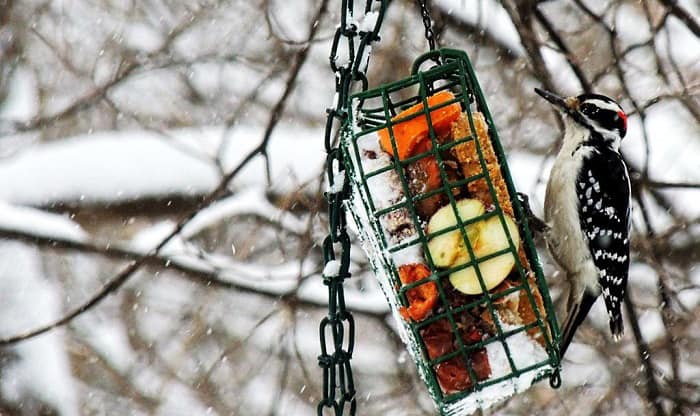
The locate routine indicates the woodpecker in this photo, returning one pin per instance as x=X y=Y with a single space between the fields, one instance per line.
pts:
x=587 y=208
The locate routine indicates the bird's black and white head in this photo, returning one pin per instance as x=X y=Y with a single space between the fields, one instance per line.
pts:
x=595 y=113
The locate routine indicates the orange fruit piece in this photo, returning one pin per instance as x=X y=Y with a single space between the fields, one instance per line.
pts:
x=409 y=133
x=422 y=298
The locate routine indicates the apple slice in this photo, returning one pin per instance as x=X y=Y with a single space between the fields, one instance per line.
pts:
x=491 y=239
x=445 y=248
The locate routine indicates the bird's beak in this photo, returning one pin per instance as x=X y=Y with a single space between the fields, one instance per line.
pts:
x=564 y=104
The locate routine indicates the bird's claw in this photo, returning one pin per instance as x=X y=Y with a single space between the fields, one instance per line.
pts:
x=535 y=224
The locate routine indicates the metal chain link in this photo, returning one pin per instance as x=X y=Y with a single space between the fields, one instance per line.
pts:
x=427 y=23
x=350 y=74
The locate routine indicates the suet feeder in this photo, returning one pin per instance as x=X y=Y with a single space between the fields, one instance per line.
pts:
x=436 y=210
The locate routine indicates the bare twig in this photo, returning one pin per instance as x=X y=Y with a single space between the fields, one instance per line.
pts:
x=682 y=15
x=652 y=390
x=521 y=14
x=484 y=36
x=554 y=35
x=113 y=284
x=668 y=316
x=203 y=275
x=678 y=185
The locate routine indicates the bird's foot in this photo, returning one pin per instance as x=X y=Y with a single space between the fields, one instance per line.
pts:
x=534 y=223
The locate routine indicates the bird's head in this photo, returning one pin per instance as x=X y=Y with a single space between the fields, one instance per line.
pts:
x=596 y=112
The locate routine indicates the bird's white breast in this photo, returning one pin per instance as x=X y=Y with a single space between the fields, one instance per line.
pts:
x=565 y=240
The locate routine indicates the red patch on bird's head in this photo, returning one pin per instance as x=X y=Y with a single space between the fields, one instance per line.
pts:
x=623 y=116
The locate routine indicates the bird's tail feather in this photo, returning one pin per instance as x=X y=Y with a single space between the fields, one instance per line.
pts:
x=577 y=313
x=617 y=327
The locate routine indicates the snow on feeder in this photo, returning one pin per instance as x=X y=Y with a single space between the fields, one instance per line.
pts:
x=449 y=243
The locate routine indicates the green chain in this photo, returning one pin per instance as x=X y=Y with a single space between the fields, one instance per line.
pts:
x=338 y=384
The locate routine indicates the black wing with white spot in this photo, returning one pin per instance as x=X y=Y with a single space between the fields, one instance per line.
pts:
x=603 y=192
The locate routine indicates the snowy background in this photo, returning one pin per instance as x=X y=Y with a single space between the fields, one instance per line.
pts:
x=118 y=118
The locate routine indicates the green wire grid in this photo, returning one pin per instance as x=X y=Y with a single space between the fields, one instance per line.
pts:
x=372 y=111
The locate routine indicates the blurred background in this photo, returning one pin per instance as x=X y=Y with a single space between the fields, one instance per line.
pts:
x=120 y=118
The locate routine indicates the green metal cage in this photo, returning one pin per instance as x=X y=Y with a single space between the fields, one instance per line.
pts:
x=375 y=110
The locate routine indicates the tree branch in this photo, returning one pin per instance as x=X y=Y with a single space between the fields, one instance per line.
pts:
x=652 y=390
x=212 y=278
x=682 y=15
x=521 y=15
x=551 y=31
x=113 y=284
x=483 y=35
x=680 y=185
